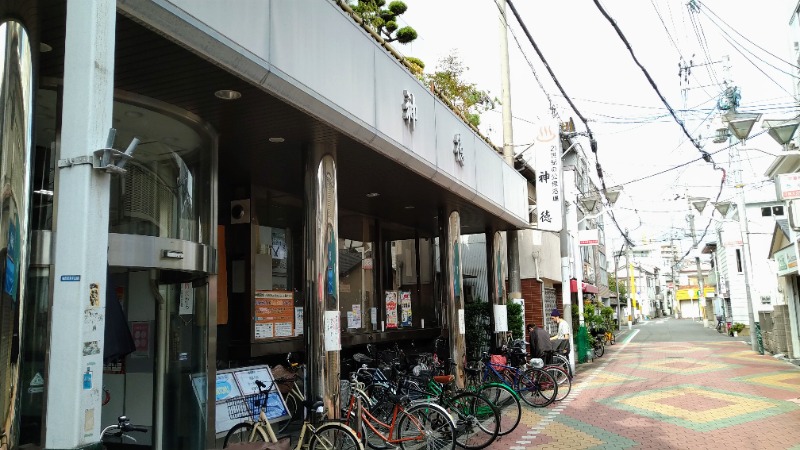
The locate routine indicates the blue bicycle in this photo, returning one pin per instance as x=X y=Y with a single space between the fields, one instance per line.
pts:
x=535 y=387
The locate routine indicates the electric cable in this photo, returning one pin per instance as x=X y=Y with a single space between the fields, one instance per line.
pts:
x=592 y=141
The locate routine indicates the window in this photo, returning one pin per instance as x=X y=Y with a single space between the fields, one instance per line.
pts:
x=357 y=281
x=739 y=260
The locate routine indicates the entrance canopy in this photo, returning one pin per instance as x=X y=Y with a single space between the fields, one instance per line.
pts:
x=586 y=287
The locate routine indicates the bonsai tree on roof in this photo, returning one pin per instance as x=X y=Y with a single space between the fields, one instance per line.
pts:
x=383 y=19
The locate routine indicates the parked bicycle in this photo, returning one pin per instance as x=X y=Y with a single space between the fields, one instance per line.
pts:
x=292 y=394
x=320 y=435
x=535 y=386
x=117 y=433
x=409 y=426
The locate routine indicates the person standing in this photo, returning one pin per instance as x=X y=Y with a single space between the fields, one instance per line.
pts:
x=564 y=330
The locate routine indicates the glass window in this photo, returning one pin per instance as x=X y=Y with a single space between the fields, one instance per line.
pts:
x=166 y=191
x=357 y=282
x=409 y=292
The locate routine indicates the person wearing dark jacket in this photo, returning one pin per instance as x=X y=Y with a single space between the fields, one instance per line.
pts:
x=539 y=341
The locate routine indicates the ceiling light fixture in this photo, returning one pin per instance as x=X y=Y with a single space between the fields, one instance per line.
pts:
x=372 y=194
x=44 y=48
x=228 y=94
x=409 y=207
x=276 y=140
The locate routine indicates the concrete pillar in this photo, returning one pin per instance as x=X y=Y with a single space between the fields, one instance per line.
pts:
x=454 y=293
x=75 y=364
x=322 y=322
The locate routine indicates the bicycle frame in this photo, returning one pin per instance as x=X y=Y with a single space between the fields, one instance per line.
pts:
x=489 y=369
x=368 y=419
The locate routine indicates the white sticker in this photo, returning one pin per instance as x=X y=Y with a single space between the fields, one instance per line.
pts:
x=500 y=318
x=462 y=329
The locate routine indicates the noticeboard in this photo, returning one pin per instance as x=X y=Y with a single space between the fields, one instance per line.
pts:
x=273 y=314
x=234 y=385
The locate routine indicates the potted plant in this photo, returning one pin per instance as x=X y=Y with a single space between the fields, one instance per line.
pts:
x=736 y=328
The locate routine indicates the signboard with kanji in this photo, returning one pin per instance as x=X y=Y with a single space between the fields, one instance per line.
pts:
x=548 y=177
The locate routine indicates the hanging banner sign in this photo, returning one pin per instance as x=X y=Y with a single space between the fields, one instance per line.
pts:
x=547 y=149
x=589 y=237
x=405 y=309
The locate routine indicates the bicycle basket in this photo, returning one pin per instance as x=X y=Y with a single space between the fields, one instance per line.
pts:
x=246 y=407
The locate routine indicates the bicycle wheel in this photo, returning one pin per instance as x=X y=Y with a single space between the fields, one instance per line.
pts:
x=563 y=361
x=294 y=413
x=334 y=436
x=477 y=420
x=537 y=388
x=599 y=349
x=507 y=402
x=562 y=379
x=426 y=426
x=244 y=432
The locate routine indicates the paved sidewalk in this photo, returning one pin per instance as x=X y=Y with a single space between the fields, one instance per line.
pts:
x=665 y=395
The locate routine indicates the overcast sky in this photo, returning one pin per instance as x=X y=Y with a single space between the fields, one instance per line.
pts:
x=635 y=133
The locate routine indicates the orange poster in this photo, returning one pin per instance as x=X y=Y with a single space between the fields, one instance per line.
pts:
x=274 y=314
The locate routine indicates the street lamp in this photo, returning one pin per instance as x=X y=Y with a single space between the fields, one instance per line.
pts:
x=740 y=125
x=781 y=130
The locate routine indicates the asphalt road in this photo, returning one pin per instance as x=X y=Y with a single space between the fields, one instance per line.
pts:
x=674 y=330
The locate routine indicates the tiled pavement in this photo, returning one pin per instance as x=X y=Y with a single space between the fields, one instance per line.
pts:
x=692 y=395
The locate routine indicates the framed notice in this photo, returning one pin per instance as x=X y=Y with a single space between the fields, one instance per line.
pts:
x=391 y=309
x=273 y=314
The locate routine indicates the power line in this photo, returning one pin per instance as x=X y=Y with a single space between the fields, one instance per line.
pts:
x=592 y=141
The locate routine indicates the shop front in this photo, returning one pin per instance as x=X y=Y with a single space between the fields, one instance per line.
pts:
x=284 y=197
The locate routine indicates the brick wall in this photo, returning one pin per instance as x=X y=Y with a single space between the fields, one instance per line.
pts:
x=532 y=293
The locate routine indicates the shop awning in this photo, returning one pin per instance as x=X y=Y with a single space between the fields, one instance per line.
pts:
x=586 y=287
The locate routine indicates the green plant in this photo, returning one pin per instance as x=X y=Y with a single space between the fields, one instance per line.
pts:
x=608 y=317
x=466 y=98
x=384 y=20
x=514 y=312
x=737 y=327
x=477 y=333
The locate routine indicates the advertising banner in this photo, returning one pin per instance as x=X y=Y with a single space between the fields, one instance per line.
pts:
x=547 y=150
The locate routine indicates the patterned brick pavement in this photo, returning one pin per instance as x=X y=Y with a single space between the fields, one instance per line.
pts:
x=692 y=395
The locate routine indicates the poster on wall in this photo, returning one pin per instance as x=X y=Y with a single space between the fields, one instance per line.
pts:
x=405 y=309
x=391 y=309
x=298 y=320
x=274 y=314
x=333 y=339
x=141 y=339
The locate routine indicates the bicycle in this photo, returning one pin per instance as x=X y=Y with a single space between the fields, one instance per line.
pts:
x=610 y=337
x=294 y=396
x=426 y=424
x=123 y=426
x=329 y=435
x=477 y=420
x=535 y=386
x=499 y=394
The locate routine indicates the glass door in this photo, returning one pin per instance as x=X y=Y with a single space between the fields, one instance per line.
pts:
x=181 y=377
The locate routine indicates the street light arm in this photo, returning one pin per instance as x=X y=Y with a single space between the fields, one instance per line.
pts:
x=594 y=216
x=775 y=154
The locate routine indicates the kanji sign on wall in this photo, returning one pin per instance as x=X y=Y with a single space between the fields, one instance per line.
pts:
x=548 y=177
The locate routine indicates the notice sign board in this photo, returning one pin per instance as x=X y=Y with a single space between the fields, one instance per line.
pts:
x=232 y=389
x=273 y=314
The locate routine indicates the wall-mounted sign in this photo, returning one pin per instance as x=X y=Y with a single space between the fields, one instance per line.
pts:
x=405 y=309
x=409 y=108
x=787 y=261
x=787 y=186
x=589 y=237
x=458 y=150
x=548 y=177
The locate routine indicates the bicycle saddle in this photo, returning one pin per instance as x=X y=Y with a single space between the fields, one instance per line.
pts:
x=444 y=379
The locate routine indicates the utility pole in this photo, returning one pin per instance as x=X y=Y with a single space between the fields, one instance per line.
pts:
x=616 y=285
x=700 y=282
x=514 y=281
x=628 y=257
x=674 y=284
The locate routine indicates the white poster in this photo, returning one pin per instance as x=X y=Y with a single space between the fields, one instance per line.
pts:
x=547 y=150
x=500 y=318
x=462 y=328
x=373 y=316
x=333 y=341
x=283 y=329
x=298 y=320
x=263 y=330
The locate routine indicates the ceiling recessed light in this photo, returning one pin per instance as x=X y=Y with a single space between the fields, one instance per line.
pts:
x=227 y=94
x=276 y=140
x=372 y=195
x=44 y=48
x=133 y=114
x=409 y=207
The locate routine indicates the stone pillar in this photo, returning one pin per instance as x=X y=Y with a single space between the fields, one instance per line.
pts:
x=322 y=326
